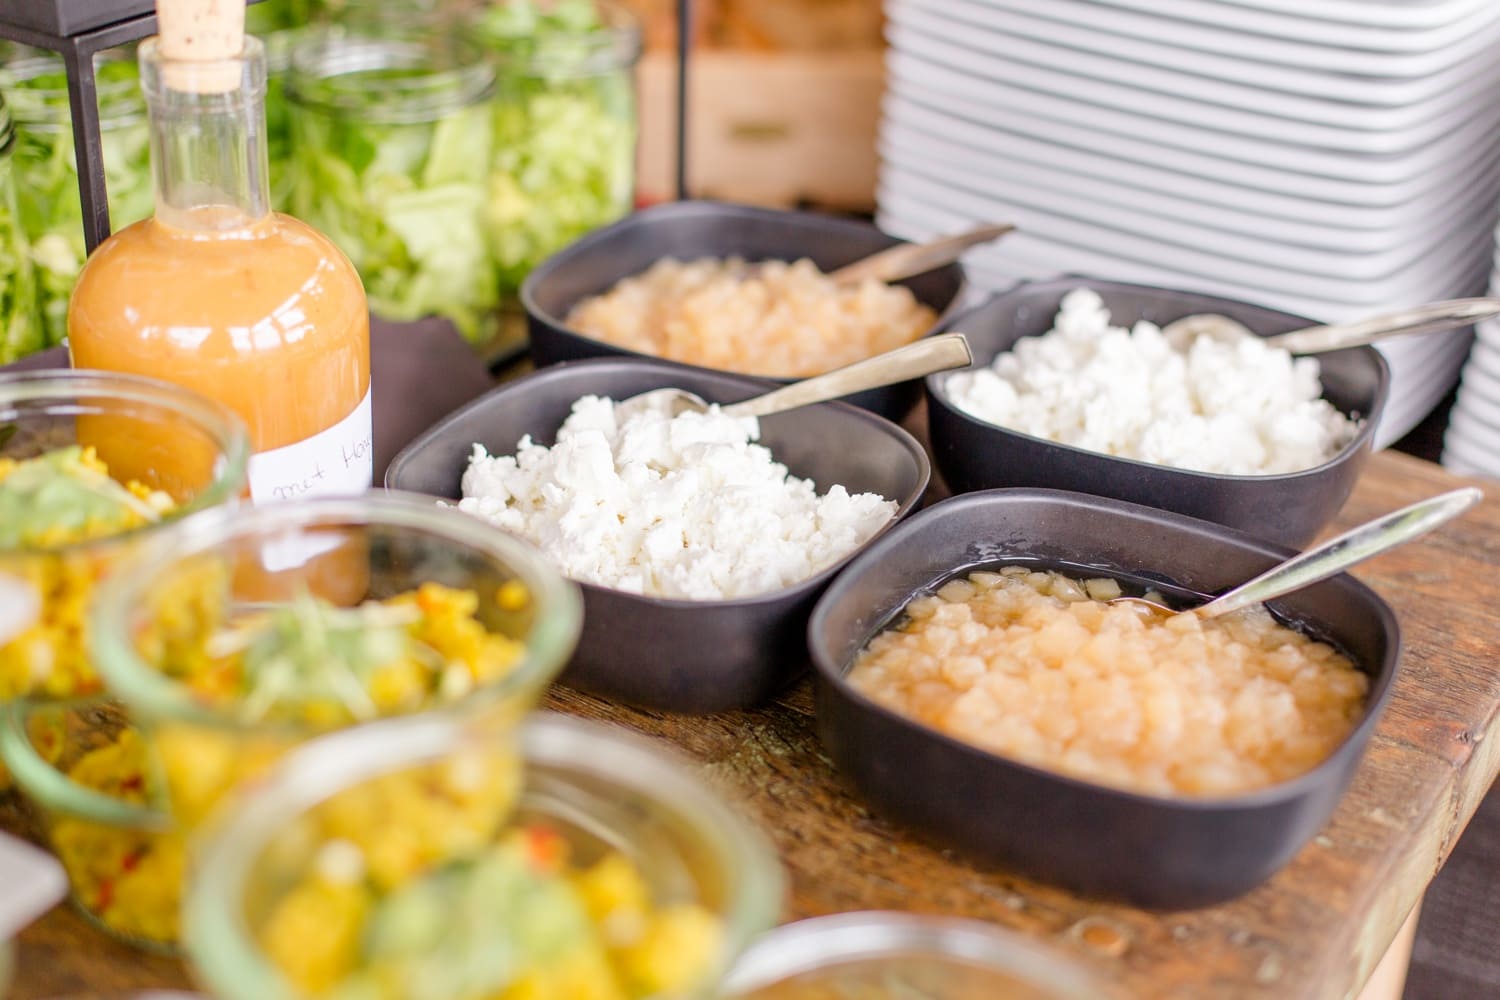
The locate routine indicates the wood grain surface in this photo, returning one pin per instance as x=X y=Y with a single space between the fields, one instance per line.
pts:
x=1315 y=931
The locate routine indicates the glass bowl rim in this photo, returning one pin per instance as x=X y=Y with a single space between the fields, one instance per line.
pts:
x=62 y=387
x=153 y=697
x=51 y=788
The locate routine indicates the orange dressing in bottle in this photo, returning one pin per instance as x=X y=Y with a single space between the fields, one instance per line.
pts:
x=218 y=293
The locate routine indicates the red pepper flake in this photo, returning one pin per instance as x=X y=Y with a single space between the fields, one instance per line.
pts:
x=545 y=848
x=134 y=783
x=131 y=860
x=106 y=896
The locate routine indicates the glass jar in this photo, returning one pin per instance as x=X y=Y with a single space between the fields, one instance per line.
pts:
x=616 y=857
x=84 y=769
x=876 y=955
x=47 y=171
x=390 y=152
x=564 y=122
x=21 y=333
x=241 y=634
x=182 y=452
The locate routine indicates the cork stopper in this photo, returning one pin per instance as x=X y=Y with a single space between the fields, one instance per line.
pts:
x=199 y=42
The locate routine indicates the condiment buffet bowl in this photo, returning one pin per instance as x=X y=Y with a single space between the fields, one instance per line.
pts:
x=876 y=953
x=692 y=229
x=658 y=653
x=599 y=789
x=973 y=454
x=1152 y=851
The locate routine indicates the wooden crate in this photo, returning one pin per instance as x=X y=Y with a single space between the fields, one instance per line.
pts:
x=767 y=128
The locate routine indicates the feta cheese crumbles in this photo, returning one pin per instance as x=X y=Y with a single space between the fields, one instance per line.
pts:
x=686 y=507
x=1226 y=405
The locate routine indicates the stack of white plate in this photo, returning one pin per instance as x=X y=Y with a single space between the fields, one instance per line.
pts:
x=1471 y=444
x=1333 y=158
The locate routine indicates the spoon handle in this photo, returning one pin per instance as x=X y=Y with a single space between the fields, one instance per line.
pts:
x=925 y=356
x=907 y=259
x=1423 y=319
x=1338 y=554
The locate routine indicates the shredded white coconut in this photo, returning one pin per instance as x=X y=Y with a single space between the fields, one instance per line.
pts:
x=1232 y=406
x=684 y=507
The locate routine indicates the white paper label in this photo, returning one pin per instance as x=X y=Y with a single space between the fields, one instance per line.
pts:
x=337 y=461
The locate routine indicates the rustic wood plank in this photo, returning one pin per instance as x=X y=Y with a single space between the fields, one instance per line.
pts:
x=1315 y=931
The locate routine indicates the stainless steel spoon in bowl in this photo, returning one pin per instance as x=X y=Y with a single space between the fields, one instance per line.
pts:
x=1334 y=556
x=1431 y=318
x=905 y=260
x=915 y=360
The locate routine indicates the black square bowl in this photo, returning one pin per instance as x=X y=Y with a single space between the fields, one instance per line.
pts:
x=676 y=655
x=693 y=229
x=973 y=454
x=1153 y=851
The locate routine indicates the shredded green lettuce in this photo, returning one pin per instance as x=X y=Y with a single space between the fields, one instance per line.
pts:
x=565 y=129
x=50 y=213
x=20 y=331
x=405 y=201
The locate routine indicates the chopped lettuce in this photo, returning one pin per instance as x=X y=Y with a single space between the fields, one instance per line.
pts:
x=565 y=129
x=21 y=333
x=405 y=201
x=46 y=171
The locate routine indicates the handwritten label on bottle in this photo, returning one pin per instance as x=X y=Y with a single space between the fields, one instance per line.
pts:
x=334 y=462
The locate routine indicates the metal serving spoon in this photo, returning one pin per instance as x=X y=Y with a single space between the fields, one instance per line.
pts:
x=925 y=356
x=1430 y=318
x=1353 y=546
x=907 y=259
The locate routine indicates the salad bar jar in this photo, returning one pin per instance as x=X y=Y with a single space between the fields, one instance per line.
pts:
x=47 y=171
x=21 y=332
x=246 y=633
x=391 y=141
x=565 y=125
x=617 y=874
x=91 y=464
x=85 y=771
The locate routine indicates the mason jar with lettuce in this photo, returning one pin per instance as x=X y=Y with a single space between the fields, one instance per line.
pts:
x=565 y=125
x=20 y=332
x=46 y=170
x=391 y=150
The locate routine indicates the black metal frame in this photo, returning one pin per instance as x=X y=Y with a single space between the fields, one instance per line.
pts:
x=78 y=51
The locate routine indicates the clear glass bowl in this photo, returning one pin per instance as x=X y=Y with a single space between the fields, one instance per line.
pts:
x=158 y=435
x=85 y=773
x=877 y=955
x=157 y=621
x=605 y=793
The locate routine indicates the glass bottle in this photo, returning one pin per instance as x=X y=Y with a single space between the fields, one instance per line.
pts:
x=218 y=293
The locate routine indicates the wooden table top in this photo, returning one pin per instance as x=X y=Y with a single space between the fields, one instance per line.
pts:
x=1314 y=931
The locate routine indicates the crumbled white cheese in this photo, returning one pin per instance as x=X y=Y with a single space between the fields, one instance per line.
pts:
x=684 y=507
x=1232 y=406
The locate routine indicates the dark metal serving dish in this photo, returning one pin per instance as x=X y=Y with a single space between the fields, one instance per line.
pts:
x=675 y=655
x=691 y=229
x=1290 y=509
x=1152 y=851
